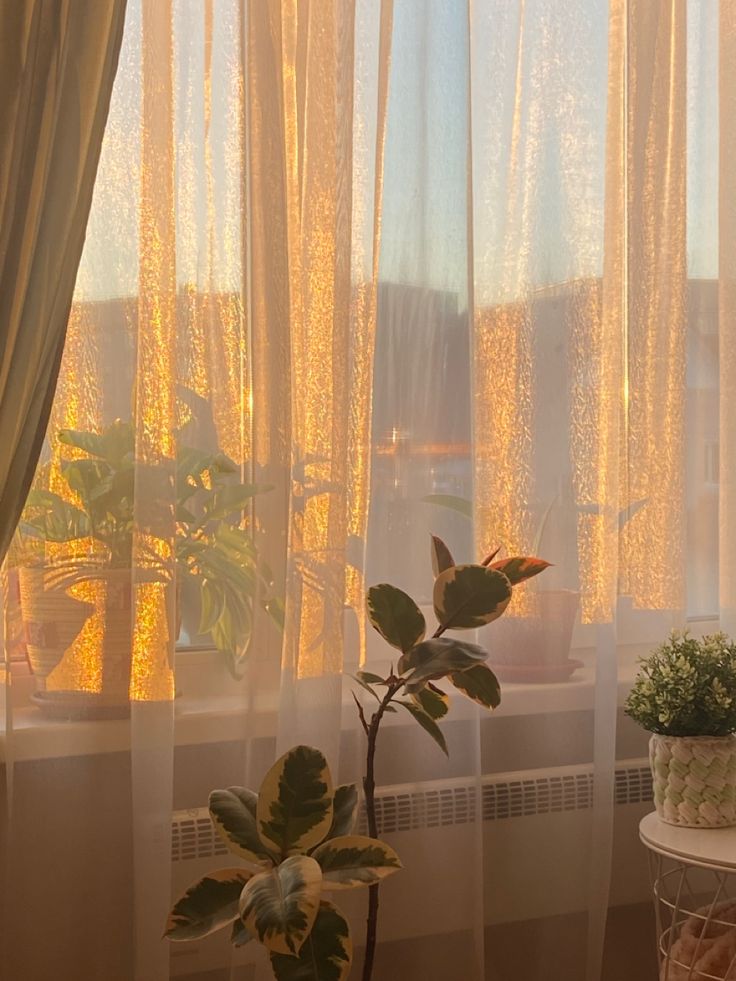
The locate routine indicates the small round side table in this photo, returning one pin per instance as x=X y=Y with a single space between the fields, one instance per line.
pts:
x=693 y=874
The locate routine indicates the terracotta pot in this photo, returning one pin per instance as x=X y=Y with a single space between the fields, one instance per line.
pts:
x=52 y=620
x=91 y=623
x=535 y=648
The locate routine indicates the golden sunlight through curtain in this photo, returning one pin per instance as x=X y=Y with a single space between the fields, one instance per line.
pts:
x=652 y=557
x=617 y=484
x=240 y=247
x=151 y=670
x=387 y=269
x=315 y=185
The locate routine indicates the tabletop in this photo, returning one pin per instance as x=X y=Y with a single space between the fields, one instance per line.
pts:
x=710 y=848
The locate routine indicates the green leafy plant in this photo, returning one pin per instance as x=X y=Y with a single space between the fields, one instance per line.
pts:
x=687 y=687
x=213 y=550
x=295 y=842
x=462 y=505
x=465 y=597
x=117 y=494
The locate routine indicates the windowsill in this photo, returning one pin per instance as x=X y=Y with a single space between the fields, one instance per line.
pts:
x=227 y=716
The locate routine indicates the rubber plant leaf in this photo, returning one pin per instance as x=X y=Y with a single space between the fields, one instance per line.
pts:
x=395 y=616
x=468 y=596
x=326 y=955
x=207 y=905
x=355 y=860
x=295 y=803
x=280 y=906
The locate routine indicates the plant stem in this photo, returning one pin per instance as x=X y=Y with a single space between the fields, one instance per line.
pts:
x=369 y=789
x=394 y=685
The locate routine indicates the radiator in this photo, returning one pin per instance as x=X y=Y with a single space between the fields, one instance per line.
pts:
x=534 y=825
x=451 y=802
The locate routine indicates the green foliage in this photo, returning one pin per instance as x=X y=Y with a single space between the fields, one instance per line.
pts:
x=295 y=805
x=519 y=569
x=687 y=687
x=465 y=597
x=198 y=497
x=353 y=860
x=432 y=700
x=463 y=506
x=426 y=722
x=441 y=556
x=207 y=905
x=279 y=906
x=328 y=945
x=480 y=684
x=296 y=836
x=469 y=596
x=395 y=616
x=344 y=805
x=451 y=501
x=233 y=813
x=437 y=658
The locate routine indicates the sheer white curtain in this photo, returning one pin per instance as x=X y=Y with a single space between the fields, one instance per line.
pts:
x=409 y=266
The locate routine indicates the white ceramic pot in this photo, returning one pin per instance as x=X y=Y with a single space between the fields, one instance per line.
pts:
x=694 y=780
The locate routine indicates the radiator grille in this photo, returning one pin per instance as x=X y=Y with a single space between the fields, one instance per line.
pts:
x=452 y=803
x=193 y=836
x=634 y=785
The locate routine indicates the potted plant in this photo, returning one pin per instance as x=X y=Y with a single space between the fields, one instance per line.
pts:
x=295 y=844
x=685 y=695
x=294 y=838
x=76 y=557
x=532 y=645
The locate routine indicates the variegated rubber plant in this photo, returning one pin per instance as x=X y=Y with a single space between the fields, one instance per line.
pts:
x=295 y=843
x=465 y=597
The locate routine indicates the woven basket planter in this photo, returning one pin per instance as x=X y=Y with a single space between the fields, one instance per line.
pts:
x=694 y=780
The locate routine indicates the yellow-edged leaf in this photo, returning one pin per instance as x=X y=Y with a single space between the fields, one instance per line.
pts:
x=395 y=616
x=326 y=955
x=240 y=935
x=436 y=658
x=279 y=906
x=207 y=905
x=355 y=860
x=518 y=568
x=344 y=807
x=434 y=701
x=233 y=813
x=480 y=684
x=441 y=556
x=427 y=723
x=294 y=811
x=468 y=596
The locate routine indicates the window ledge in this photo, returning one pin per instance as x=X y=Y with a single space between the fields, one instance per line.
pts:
x=209 y=719
x=216 y=717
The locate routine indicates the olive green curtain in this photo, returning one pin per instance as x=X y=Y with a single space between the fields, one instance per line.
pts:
x=57 y=65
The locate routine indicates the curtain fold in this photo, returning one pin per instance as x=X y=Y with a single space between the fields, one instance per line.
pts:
x=58 y=64
x=652 y=566
x=316 y=105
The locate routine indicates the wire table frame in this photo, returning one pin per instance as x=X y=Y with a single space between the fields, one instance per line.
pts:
x=693 y=875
